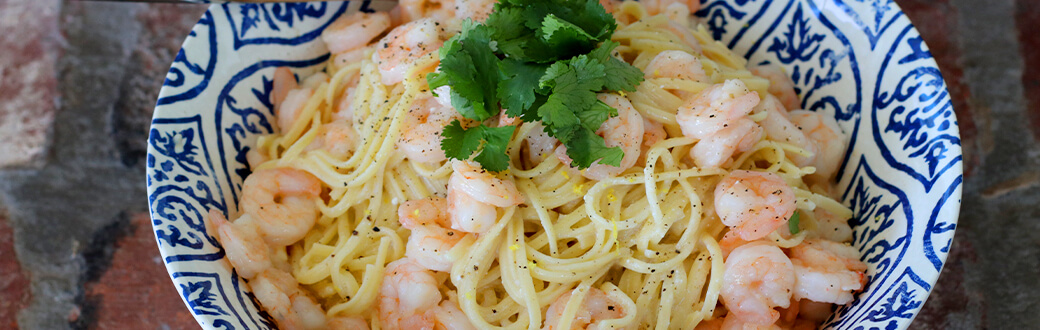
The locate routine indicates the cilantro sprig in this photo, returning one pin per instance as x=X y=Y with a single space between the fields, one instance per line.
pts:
x=541 y=60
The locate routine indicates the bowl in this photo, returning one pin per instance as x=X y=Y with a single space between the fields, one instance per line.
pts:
x=861 y=62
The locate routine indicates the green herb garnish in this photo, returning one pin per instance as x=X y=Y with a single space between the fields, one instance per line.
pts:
x=541 y=60
x=792 y=223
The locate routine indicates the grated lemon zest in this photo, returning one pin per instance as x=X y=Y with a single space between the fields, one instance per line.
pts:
x=578 y=189
x=565 y=175
x=514 y=247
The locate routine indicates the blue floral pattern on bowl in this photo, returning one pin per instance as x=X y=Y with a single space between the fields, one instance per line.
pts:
x=860 y=61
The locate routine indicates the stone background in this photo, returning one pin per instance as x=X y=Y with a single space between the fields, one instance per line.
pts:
x=78 y=82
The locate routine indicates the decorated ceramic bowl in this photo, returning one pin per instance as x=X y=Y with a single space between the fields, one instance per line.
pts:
x=861 y=62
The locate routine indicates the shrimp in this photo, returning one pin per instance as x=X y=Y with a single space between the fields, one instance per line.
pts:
x=283 y=299
x=282 y=203
x=596 y=307
x=717 y=149
x=470 y=179
x=408 y=296
x=829 y=139
x=430 y=239
x=355 y=31
x=396 y=52
x=831 y=227
x=757 y=278
x=682 y=32
x=780 y=84
x=243 y=246
x=778 y=127
x=729 y=242
x=625 y=131
x=439 y=10
x=753 y=204
x=287 y=111
x=338 y=138
x=827 y=271
x=653 y=132
x=254 y=158
x=654 y=7
x=714 y=108
x=348 y=322
x=676 y=64
x=282 y=82
x=539 y=143
x=477 y=10
x=421 y=135
x=448 y=316
x=468 y=214
x=473 y=194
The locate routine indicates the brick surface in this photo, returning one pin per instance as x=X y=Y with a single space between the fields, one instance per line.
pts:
x=14 y=284
x=1027 y=17
x=30 y=44
x=136 y=274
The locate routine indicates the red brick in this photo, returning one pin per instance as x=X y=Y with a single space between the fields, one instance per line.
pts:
x=14 y=284
x=136 y=292
x=1027 y=14
x=936 y=20
x=30 y=44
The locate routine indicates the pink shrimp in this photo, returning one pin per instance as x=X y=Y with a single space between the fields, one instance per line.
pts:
x=758 y=277
x=827 y=271
x=718 y=149
x=714 y=108
x=778 y=127
x=421 y=136
x=283 y=299
x=430 y=237
x=780 y=84
x=397 y=51
x=408 y=296
x=473 y=194
x=753 y=204
x=243 y=246
x=596 y=306
x=829 y=138
x=354 y=31
x=282 y=203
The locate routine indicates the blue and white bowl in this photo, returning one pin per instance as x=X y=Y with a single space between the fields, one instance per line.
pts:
x=859 y=61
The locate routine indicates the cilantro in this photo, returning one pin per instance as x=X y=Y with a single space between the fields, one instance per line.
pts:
x=792 y=223
x=626 y=76
x=460 y=143
x=549 y=59
x=471 y=69
x=516 y=90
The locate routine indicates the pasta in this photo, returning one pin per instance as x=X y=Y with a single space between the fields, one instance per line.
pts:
x=648 y=241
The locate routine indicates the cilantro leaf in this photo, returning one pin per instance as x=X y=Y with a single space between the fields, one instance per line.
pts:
x=470 y=67
x=458 y=142
x=563 y=34
x=792 y=223
x=461 y=143
x=585 y=147
x=493 y=157
x=541 y=60
x=519 y=85
x=625 y=76
x=594 y=116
